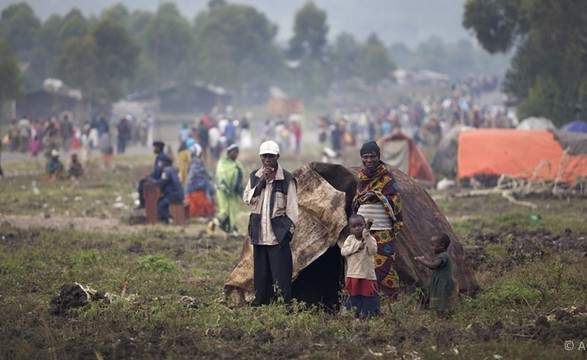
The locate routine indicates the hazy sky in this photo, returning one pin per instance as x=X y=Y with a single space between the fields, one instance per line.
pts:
x=407 y=21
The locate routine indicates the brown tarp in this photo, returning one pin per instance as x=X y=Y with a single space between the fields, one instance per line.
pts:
x=325 y=192
x=417 y=166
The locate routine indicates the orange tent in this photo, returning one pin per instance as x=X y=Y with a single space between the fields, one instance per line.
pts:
x=531 y=155
x=401 y=151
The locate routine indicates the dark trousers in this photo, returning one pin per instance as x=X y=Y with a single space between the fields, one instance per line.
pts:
x=140 y=187
x=163 y=205
x=272 y=266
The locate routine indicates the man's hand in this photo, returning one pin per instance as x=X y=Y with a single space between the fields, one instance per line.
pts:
x=268 y=174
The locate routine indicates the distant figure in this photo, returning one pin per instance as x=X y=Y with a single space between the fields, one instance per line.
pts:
x=24 y=133
x=184 y=133
x=102 y=125
x=66 y=130
x=155 y=174
x=35 y=145
x=229 y=191
x=359 y=249
x=88 y=141
x=55 y=168
x=124 y=128
x=203 y=136
x=246 y=141
x=184 y=156
x=106 y=149
x=150 y=128
x=214 y=141
x=443 y=290
x=12 y=136
x=229 y=133
x=76 y=169
x=296 y=128
x=171 y=189
x=199 y=189
x=1 y=171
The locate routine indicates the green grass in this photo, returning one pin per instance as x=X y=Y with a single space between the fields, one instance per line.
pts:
x=149 y=273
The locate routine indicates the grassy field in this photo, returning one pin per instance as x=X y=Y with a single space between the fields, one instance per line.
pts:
x=160 y=288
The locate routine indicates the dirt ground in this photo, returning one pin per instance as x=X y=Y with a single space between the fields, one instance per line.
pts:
x=522 y=246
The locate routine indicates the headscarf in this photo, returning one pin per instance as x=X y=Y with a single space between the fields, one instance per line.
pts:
x=231 y=147
x=370 y=147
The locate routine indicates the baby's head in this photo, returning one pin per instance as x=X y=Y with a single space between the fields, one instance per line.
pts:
x=440 y=243
x=356 y=225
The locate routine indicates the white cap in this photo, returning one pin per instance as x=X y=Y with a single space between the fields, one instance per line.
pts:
x=54 y=152
x=269 y=147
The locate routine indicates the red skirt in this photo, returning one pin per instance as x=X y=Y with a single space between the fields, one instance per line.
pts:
x=360 y=287
x=200 y=205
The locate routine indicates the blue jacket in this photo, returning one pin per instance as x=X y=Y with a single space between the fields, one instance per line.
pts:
x=158 y=166
x=170 y=185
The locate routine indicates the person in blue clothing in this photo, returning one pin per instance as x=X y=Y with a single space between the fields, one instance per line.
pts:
x=55 y=168
x=171 y=189
x=158 y=147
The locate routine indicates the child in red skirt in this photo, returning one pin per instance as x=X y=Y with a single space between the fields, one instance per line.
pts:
x=361 y=282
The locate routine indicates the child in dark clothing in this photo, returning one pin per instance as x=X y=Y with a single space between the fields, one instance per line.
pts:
x=443 y=289
x=75 y=167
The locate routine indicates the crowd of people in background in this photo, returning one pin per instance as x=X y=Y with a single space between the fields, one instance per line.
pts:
x=65 y=134
x=424 y=119
x=216 y=133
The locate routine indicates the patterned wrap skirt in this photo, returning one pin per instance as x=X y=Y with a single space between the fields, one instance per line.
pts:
x=387 y=277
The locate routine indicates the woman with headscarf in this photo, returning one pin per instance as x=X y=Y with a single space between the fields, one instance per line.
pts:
x=184 y=157
x=199 y=190
x=378 y=198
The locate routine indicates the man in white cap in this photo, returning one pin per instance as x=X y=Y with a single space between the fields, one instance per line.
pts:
x=272 y=196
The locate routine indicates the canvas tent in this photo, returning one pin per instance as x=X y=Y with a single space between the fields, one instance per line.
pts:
x=572 y=142
x=445 y=158
x=401 y=152
x=531 y=155
x=536 y=123
x=325 y=192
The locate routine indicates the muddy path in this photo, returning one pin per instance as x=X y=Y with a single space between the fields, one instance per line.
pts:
x=84 y=224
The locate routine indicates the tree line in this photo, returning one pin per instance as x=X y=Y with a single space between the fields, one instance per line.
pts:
x=548 y=71
x=234 y=46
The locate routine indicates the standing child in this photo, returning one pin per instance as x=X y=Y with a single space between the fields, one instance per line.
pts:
x=443 y=290
x=359 y=249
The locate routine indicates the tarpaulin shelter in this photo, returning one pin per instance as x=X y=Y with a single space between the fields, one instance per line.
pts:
x=572 y=142
x=445 y=158
x=325 y=192
x=536 y=123
x=401 y=152
x=530 y=155
x=579 y=126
